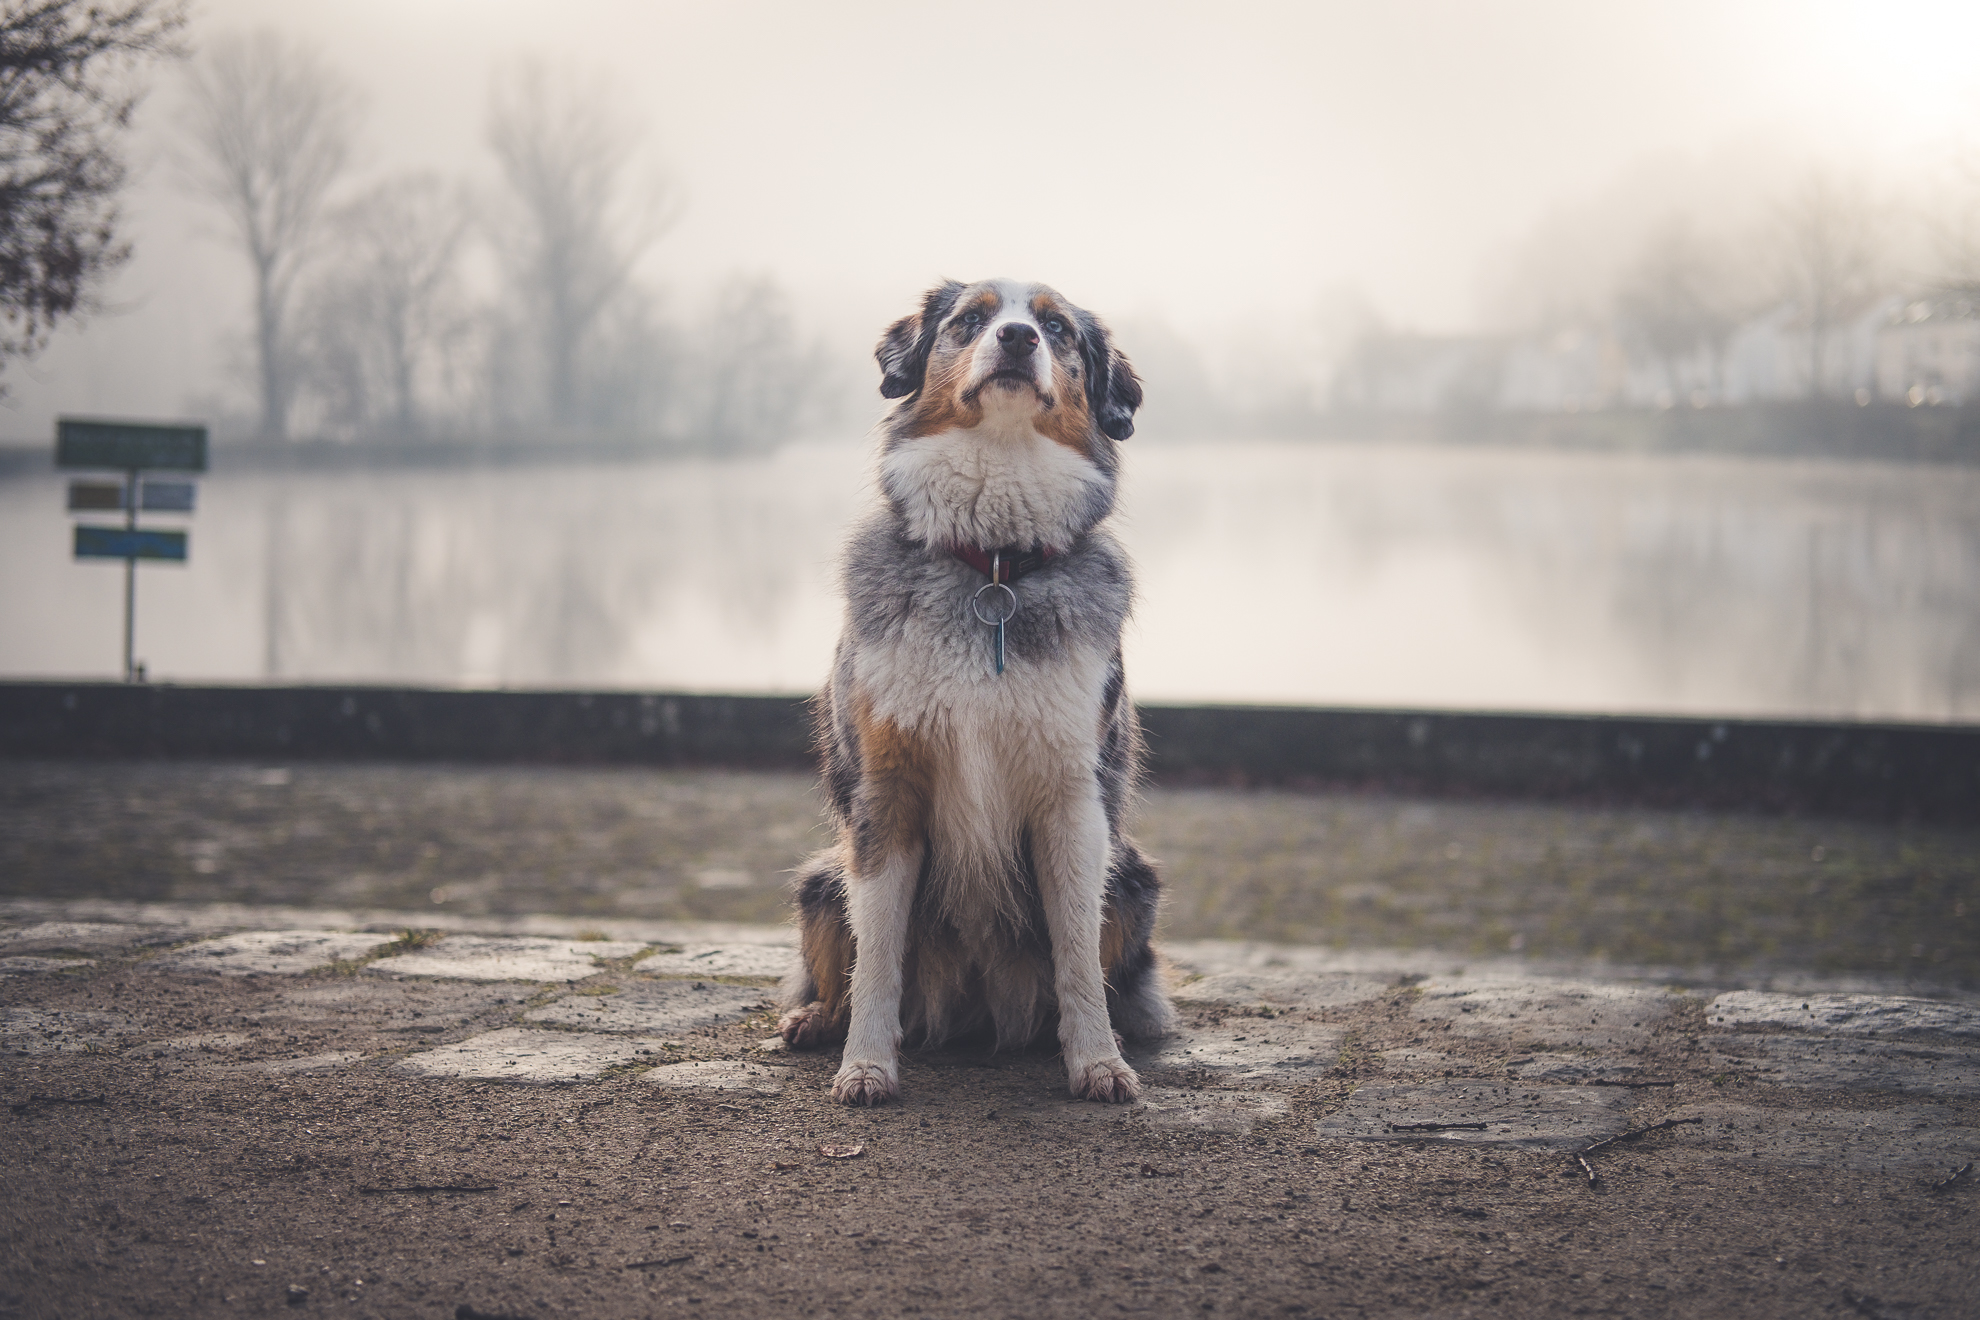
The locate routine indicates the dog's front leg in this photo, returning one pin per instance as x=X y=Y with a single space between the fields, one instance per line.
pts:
x=877 y=907
x=1071 y=855
x=889 y=836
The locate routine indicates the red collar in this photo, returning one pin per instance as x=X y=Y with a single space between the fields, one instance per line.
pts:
x=1012 y=562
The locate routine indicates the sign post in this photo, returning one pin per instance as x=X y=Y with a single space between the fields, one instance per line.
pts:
x=134 y=448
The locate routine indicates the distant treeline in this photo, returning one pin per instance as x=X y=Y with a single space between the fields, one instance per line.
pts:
x=403 y=310
x=1785 y=429
x=1811 y=428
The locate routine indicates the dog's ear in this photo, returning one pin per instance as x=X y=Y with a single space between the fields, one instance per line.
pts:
x=903 y=351
x=1113 y=391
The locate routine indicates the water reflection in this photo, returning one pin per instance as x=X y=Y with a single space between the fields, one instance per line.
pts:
x=1311 y=574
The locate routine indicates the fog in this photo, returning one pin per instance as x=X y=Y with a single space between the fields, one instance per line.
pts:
x=1214 y=175
x=1331 y=236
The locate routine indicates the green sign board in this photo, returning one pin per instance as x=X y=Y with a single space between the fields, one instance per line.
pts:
x=128 y=445
x=128 y=543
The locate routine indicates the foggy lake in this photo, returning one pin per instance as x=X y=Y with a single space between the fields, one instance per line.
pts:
x=1283 y=573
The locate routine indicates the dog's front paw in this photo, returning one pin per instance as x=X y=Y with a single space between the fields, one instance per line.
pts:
x=860 y=1083
x=1109 y=1081
x=809 y=1027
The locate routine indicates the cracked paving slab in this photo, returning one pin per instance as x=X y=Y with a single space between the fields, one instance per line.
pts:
x=654 y=1006
x=507 y=958
x=1579 y=1013
x=1268 y=989
x=529 y=1055
x=1849 y=1062
x=719 y=1075
x=1556 y=1069
x=1915 y=1138
x=1249 y=1050
x=1847 y=1015
x=268 y=952
x=1505 y=1114
x=765 y=962
x=394 y=1008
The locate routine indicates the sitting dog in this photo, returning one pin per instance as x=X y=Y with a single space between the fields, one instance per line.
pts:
x=979 y=747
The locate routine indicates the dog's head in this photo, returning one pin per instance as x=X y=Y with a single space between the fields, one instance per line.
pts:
x=1007 y=352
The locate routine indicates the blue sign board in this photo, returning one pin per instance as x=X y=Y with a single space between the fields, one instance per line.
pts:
x=128 y=543
x=166 y=496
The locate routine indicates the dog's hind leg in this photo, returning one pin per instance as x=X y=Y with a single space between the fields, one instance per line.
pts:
x=1070 y=851
x=1137 y=999
x=814 y=995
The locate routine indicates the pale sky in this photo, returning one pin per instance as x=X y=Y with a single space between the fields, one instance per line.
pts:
x=1201 y=164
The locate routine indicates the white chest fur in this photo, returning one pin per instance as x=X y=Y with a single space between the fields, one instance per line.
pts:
x=1010 y=751
x=990 y=486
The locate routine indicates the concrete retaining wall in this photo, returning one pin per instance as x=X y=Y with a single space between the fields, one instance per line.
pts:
x=1875 y=770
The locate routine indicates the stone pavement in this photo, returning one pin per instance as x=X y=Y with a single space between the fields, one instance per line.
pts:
x=1495 y=1054
x=1316 y=1050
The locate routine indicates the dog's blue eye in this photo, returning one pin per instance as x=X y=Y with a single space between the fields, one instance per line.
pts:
x=972 y=318
x=1056 y=326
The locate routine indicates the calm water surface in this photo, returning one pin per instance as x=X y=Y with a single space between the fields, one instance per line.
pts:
x=1268 y=573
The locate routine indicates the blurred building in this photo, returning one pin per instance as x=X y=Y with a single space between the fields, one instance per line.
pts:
x=1928 y=350
x=1915 y=350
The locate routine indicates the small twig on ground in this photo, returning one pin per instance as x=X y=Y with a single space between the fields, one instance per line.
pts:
x=418 y=1188
x=33 y=1100
x=1581 y=1156
x=1953 y=1177
x=1634 y=1133
x=1435 y=1127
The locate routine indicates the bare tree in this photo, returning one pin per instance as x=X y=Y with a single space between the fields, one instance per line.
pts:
x=750 y=379
x=1681 y=300
x=380 y=323
x=1827 y=239
x=271 y=128
x=1954 y=227
x=578 y=221
x=66 y=98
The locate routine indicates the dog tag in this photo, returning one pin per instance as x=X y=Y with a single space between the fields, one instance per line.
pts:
x=995 y=612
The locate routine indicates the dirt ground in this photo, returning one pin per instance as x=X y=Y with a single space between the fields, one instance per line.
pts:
x=138 y=1189
x=1373 y=1131
x=1716 y=894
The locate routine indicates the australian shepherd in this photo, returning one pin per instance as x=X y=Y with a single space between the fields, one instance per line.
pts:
x=979 y=748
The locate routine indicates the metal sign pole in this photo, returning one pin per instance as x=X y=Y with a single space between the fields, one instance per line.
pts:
x=130 y=581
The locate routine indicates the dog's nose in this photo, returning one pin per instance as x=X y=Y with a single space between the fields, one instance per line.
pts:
x=1017 y=340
